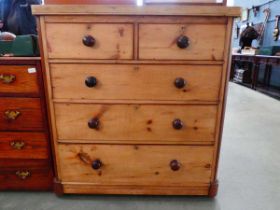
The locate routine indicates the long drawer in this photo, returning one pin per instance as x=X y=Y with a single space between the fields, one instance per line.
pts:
x=23 y=145
x=90 y=40
x=21 y=114
x=136 y=123
x=136 y=165
x=136 y=82
x=20 y=80
x=181 y=41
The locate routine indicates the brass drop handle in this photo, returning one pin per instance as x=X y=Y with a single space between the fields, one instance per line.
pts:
x=96 y=164
x=7 y=78
x=183 y=42
x=175 y=165
x=91 y=81
x=94 y=123
x=23 y=174
x=18 y=145
x=11 y=114
x=177 y=124
x=89 y=41
x=180 y=82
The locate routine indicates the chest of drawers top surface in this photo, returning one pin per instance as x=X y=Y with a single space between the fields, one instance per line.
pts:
x=136 y=96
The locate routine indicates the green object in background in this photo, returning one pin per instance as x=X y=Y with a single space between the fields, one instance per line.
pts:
x=269 y=50
x=22 y=46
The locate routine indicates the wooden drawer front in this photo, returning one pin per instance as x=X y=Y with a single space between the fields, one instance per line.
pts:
x=136 y=123
x=20 y=114
x=159 y=41
x=25 y=175
x=18 y=80
x=23 y=145
x=136 y=82
x=112 y=41
x=136 y=165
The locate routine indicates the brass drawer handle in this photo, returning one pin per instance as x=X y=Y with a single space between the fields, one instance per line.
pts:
x=12 y=114
x=7 y=78
x=23 y=174
x=18 y=145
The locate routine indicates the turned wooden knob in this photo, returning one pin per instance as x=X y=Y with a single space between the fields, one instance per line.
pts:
x=93 y=123
x=89 y=41
x=91 y=82
x=96 y=164
x=177 y=124
x=175 y=165
x=183 y=42
x=180 y=82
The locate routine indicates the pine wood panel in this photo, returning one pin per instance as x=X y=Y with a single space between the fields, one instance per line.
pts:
x=24 y=82
x=29 y=119
x=113 y=41
x=136 y=123
x=159 y=41
x=31 y=145
x=154 y=10
x=136 y=165
x=136 y=82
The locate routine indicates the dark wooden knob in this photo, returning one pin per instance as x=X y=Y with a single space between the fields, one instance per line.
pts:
x=96 y=164
x=180 y=82
x=177 y=124
x=91 y=81
x=89 y=41
x=183 y=42
x=94 y=123
x=175 y=165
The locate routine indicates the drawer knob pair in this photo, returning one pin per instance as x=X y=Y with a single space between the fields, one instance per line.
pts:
x=91 y=82
x=183 y=42
x=89 y=41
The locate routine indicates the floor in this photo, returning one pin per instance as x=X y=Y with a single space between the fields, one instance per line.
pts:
x=249 y=170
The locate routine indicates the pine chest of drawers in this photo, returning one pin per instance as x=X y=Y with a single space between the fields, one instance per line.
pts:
x=136 y=96
x=25 y=159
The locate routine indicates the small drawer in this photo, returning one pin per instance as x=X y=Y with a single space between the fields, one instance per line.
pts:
x=146 y=124
x=90 y=41
x=21 y=114
x=136 y=165
x=136 y=82
x=23 y=145
x=25 y=175
x=182 y=41
x=18 y=80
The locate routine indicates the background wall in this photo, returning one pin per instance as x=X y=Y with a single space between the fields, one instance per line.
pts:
x=274 y=6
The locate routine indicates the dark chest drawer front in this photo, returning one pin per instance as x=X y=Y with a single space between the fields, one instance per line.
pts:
x=20 y=114
x=23 y=145
x=25 y=175
x=18 y=80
